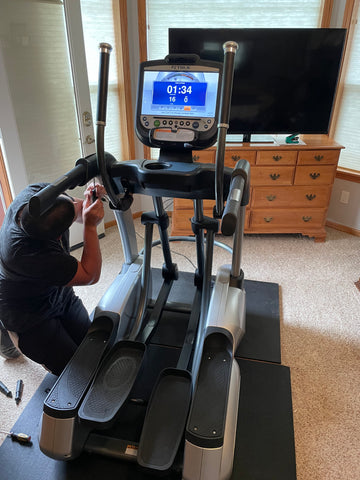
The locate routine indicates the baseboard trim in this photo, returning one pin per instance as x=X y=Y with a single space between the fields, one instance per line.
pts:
x=343 y=228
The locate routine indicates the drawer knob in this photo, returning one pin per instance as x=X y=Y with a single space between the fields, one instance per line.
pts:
x=306 y=219
x=270 y=197
x=318 y=158
x=268 y=219
x=314 y=176
x=277 y=157
x=235 y=157
x=274 y=176
x=195 y=158
x=310 y=196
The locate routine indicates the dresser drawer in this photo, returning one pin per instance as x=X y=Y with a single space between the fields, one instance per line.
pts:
x=318 y=157
x=282 y=197
x=272 y=175
x=276 y=158
x=296 y=218
x=232 y=156
x=315 y=175
x=187 y=204
x=204 y=156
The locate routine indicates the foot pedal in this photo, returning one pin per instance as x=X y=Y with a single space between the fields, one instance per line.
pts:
x=165 y=420
x=66 y=395
x=206 y=424
x=112 y=384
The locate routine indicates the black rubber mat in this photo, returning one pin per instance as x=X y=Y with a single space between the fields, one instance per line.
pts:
x=262 y=332
x=264 y=444
x=265 y=436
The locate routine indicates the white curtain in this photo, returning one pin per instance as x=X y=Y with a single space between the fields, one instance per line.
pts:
x=164 y=14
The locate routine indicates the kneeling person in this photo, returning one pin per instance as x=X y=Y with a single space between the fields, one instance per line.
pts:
x=37 y=274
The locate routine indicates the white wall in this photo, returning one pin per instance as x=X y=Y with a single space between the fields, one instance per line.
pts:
x=347 y=214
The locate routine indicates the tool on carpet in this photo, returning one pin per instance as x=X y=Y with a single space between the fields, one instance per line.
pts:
x=19 y=391
x=5 y=390
x=22 y=438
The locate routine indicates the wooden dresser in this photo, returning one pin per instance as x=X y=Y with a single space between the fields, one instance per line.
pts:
x=290 y=186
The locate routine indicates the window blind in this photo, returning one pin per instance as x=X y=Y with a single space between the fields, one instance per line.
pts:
x=164 y=14
x=98 y=27
x=348 y=122
x=34 y=46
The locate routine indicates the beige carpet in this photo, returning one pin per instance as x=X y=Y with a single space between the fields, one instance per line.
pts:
x=320 y=338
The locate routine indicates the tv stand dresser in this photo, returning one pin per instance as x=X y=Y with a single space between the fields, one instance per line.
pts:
x=290 y=186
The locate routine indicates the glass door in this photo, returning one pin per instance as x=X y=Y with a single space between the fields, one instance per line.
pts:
x=47 y=92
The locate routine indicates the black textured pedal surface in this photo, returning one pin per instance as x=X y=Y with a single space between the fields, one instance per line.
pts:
x=165 y=420
x=112 y=384
x=68 y=391
x=206 y=422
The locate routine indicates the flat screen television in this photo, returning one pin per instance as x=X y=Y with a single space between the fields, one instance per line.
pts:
x=285 y=78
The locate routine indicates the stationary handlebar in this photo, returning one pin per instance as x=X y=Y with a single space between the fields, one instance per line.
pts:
x=238 y=196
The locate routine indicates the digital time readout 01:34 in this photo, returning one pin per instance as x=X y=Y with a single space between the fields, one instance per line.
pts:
x=189 y=93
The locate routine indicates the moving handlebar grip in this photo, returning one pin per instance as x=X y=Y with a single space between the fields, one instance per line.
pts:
x=85 y=169
x=238 y=197
x=105 y=50
x=230 y=49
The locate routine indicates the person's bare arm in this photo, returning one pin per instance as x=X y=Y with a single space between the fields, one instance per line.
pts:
x=89 y=267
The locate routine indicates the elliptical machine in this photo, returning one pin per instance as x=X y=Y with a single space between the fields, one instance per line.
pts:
x=188 y=420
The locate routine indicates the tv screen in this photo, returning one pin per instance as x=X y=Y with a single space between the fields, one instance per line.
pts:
x=285 y=79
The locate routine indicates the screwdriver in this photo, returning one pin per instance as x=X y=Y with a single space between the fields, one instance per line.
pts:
x=5 y=390
x=18 y=437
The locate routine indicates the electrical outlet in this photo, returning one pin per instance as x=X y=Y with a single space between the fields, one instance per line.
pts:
x=344 y=197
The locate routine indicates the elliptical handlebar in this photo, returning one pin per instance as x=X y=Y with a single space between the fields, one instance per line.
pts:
x=230 y=49
x=85 y=169
x=105 y=50
x=238 y=196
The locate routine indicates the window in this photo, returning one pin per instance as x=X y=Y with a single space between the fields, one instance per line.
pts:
x=164 y=14
x=348 y=118
x=98 y=25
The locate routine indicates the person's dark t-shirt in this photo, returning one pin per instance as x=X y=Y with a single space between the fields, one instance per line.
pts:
x=33 y=272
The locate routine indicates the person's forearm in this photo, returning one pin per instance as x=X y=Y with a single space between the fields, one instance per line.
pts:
x=91 y=255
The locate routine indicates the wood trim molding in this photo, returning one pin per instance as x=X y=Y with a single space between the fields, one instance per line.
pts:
x=348 y=23
x=4 y=181
x=343 y=228
x=124 y=84
x=327 y=9
x=141 y=7
x=347 y=174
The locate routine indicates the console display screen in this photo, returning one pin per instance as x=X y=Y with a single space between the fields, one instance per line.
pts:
x=181 y=94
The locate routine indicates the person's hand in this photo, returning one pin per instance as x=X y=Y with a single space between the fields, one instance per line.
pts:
x=92 y=211
x=100 y=191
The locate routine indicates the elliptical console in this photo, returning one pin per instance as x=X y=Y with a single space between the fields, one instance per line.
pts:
x=178 y=102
